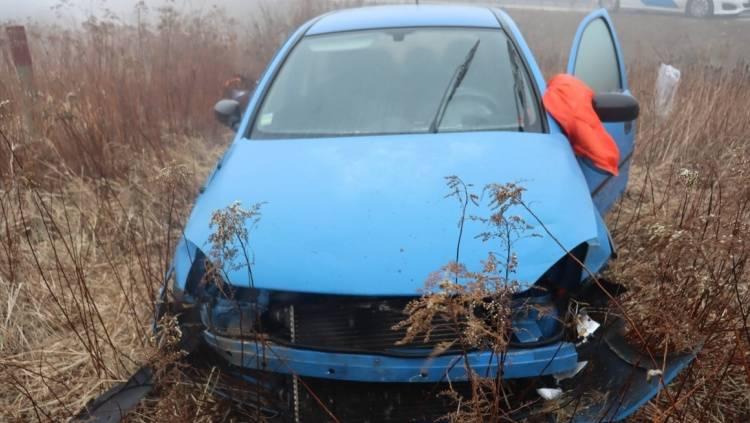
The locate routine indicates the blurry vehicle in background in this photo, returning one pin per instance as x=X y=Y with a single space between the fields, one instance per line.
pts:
x=694 y=8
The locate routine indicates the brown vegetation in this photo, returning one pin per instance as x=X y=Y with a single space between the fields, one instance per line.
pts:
x=91 y=206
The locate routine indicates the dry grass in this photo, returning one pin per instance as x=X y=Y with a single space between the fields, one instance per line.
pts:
x=682 y=229
x=90 y=208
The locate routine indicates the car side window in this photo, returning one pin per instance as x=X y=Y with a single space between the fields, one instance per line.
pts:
x=596 y=61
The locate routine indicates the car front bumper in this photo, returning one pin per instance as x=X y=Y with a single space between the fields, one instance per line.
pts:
x=516 y=363
x=613 y=385
x=731 y=7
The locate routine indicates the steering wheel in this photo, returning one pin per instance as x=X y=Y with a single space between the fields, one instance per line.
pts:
x=476 y=97
x=479 y=108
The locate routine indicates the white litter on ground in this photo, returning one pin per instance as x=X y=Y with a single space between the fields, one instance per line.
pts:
x=586 y=326
x=549 y=393
x=653 y=373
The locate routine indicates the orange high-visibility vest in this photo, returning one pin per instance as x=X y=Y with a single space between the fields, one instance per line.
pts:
x=570 y=102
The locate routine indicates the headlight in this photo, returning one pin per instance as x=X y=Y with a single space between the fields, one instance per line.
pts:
x=236 y=312
x=232 y=318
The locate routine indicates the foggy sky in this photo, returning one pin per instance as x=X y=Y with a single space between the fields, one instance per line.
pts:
x=72 y=11
x=41 y=10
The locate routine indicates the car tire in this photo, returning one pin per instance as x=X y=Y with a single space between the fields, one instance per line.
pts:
x=610 y=5
x=700 y=8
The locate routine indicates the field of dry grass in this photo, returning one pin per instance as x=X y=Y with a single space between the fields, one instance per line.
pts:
x=91 y=203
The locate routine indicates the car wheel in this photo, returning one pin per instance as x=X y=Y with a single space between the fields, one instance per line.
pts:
x=610 y=5
x=700 y=8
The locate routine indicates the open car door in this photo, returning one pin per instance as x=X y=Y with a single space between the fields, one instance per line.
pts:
x=620 y=370
x=596 y=59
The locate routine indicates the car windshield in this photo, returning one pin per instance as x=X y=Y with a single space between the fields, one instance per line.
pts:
x=393 y=81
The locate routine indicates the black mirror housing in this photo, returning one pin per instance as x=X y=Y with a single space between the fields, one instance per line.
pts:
x=616 y=107
x=228 y=112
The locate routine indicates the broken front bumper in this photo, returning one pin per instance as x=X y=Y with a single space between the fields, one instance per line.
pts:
x=613 y=385
x=520 y=363
x=618 y=381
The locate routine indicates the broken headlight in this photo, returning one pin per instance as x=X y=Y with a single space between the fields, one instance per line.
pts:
x=226 y=310
x=242 y=312
x=232 y=318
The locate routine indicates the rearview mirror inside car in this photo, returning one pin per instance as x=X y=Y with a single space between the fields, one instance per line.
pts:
x=616 y=107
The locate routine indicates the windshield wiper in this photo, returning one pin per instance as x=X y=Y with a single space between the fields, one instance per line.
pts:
x=455 y=82
x=518 y=87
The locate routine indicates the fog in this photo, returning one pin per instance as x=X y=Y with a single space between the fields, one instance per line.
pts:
x=66 y=10
x=76 y=10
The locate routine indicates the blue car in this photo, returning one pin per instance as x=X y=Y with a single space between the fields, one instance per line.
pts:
x=346 y=143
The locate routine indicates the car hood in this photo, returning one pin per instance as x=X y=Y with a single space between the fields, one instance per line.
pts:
x=370 y=216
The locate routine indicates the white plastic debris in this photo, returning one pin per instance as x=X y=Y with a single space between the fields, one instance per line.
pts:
x=567 y=375
x=653 y=373
x=549 y=393
x=586 y=326
x=666 y=89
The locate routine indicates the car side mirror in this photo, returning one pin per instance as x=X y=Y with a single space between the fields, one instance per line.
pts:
x=616 y=107
x=228 y=112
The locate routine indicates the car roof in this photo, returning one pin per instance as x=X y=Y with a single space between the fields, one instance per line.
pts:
x=401 y=16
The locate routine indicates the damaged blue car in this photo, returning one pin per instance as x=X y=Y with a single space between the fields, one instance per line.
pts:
x=346 y=141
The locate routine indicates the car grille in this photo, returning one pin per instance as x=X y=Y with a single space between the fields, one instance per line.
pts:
x=360 y=325
x=376 y=402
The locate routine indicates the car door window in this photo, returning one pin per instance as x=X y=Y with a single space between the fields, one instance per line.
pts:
x=596 y=60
